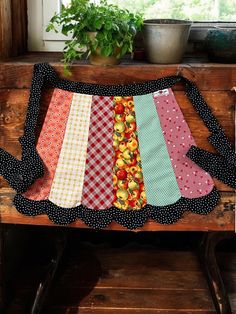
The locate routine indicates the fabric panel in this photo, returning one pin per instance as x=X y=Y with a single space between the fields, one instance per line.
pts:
x=98 y=184
x=192 y=180
x=129 y=191
x=159 y=178
x=50 y=142
x=67 y=185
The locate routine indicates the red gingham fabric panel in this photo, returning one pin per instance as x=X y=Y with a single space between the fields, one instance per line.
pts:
x=50 y=142
x=98 y=180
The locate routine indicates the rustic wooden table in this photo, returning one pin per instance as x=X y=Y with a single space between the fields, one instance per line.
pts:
x=215 y=82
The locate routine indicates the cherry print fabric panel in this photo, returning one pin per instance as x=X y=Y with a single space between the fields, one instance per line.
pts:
x=192 y=180
x=50 y=142
x=98 y=186
x=129 y=191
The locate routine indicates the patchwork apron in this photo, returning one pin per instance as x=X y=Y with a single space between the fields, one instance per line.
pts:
x=114 y=153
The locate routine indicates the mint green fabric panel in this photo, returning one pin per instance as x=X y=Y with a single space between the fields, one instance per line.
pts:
x=159 y=178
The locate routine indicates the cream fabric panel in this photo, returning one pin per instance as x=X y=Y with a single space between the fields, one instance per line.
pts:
x=68 y=181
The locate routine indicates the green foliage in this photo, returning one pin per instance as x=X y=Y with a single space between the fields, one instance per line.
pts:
x=111 y=26
x=195 y=10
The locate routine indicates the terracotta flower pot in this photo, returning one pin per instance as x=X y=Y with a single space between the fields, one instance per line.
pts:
x=96 y=58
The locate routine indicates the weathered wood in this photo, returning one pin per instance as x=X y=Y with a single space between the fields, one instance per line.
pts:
x=13 y=106
x=221 y=218
x=18 y=73
x=99 y=261
x=78 y=310
x=131 y=268
x=133 y=278
x=5 y=29
x=135 y=299
x=13 y=28
x=127 y=257
x=19 y=27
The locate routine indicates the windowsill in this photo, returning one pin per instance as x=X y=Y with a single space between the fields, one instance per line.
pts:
x=17 y=72
x=199 y=59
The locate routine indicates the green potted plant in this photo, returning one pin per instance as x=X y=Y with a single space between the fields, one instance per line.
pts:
x=98 y=31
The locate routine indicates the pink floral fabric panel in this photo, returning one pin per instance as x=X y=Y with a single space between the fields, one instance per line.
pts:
x=98 y=180
x=192 y=180
x=50 y=142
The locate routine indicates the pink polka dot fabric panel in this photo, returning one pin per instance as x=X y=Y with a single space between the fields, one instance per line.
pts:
x=98 y=181
x=50 y=142
x=192 y=180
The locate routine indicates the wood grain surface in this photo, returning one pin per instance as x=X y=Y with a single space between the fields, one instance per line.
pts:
x=221 y=218
x=13 y=28
x=136 y=275
x=19 y=28
x=18 y=73
x=5 y=29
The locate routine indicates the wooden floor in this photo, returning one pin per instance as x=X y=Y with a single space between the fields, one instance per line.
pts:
x=136 y=275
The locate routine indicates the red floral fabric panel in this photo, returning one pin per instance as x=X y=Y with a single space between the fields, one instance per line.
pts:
x=128 y=182
x=98 y=186
x=192 y=180
x=50 y=142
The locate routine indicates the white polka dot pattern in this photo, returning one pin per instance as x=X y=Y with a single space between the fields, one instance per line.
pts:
x=22 y=173
x=192 y=180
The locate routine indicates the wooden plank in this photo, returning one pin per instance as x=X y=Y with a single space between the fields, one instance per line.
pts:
x=130 y=278
x=220 y=219
x=134 y=299
x=19 y=28
x=13 y=35
x=206 y=76
x=68 y=297
x=5 y=29
x=79 y=310
x=133 y=269
x=13 y=106
x=128 y=258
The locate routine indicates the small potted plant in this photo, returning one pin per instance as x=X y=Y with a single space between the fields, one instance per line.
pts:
x=102 y=32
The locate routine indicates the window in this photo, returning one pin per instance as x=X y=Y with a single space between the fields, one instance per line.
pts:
x=204 y=13
x=194 y=10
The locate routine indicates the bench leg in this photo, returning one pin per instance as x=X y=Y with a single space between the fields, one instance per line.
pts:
x=46 y=282
x=211 y=268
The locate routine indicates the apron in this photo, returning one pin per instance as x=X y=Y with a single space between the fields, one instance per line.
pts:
x=119 y=153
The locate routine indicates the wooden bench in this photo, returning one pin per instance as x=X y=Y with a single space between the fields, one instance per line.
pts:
x=215 y=81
